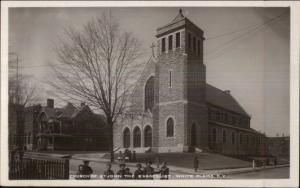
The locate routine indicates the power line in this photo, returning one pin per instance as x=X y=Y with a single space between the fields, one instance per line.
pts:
x=252 y=31
x=253 y=28
x=231 y=32
x=236 y=31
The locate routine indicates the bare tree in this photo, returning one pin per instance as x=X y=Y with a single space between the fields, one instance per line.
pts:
x=98 y=65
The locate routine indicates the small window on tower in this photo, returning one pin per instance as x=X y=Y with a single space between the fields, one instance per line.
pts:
x=163 y=44
x=189 y=41
x=170 y=79
x=194 y=44
x=170 y=42
x=178 y=40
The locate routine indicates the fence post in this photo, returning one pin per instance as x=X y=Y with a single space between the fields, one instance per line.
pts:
x=66 y=169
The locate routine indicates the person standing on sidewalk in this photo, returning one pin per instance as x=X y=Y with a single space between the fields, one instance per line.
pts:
x=121 y=172
x=149 y=170
x=139 y=172
x=108 y=173
x=196 y=164
x=164 y=171
x=86 y=171
x=128 y=174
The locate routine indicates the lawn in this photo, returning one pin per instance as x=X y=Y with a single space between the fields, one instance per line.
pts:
x=185 y=160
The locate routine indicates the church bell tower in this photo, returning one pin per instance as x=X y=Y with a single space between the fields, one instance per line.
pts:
x=180 y=113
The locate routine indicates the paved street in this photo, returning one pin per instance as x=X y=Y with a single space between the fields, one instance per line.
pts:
x=275 y=173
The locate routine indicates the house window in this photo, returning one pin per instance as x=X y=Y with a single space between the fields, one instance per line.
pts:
x=218 y=115
x=226 y=118
x=194 y=44
x=224 y=137
x=170 y=79
x=163 y=44
x=241 y=138
x=247 y=139
x=170 y=42
x=199 y=47
x=170 y=127
x=178 y=40
x=233 y=120
x=232 y=138
x=29 y=138
x=240 y=121
x=209 y=114
x=245 y=122
x=189 y=41
x=214 y=135
x=149 y=94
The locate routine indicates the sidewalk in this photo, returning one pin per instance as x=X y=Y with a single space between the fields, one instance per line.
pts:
x=189 y=171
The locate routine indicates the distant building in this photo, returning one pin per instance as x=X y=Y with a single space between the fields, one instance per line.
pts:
x=175 y=110
x=67 y=128
x=15 y=126
x=279 y=147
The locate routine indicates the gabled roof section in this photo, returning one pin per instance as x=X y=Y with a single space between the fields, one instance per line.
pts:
x=77 y=111
x=179 y=17
x=68 y=110
x=223 y=99
x=50 y=112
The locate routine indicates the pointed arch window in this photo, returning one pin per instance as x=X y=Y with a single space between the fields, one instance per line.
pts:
x=149 y=94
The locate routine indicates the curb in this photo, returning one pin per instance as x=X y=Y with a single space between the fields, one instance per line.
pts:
x=255 y=169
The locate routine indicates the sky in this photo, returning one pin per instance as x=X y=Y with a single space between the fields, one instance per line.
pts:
x=241 y=53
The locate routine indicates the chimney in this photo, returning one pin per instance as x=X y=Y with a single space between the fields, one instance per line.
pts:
x=50 y=103
x=82 y=104
x=227 y=91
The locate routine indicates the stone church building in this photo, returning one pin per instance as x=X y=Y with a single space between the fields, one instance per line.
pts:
x=174 y=109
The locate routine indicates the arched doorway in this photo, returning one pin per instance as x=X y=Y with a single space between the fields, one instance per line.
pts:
x=126 y=138
x=148 y=136
x=137 y=137
x=193 y=135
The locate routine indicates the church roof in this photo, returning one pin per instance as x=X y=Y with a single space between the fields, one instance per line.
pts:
x=178 y=18
x=223 y=99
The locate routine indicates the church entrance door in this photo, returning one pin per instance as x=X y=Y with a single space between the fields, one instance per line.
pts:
x=193 y=135
x=148 y=136
x=136 y=137
x=126 y=138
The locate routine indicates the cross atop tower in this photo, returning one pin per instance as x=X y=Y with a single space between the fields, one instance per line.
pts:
x=180 y=11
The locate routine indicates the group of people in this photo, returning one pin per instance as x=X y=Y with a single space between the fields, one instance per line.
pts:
x=147 y=172
x=127 y=156
x=141 y=172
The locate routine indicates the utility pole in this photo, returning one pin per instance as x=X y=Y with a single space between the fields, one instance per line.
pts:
x=17 y=76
